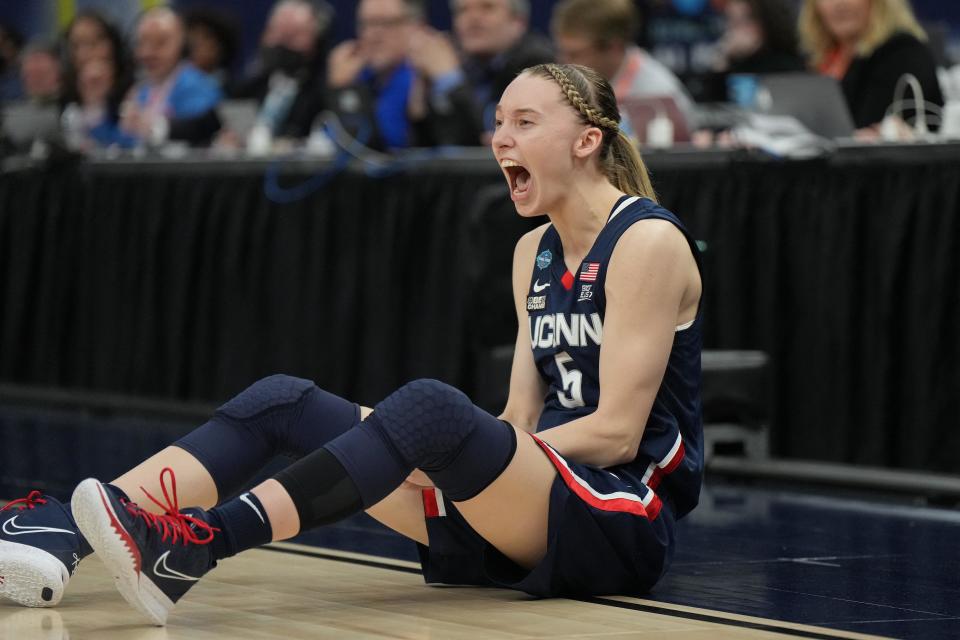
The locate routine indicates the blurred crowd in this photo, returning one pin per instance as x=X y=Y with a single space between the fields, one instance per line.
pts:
x=402 y=83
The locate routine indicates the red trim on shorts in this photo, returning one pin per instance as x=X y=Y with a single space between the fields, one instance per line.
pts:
x=579 y=488
x=669 y=468
x=430 y=507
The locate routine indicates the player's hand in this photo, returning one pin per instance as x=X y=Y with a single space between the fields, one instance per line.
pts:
x=432 y=53
x=344 y=64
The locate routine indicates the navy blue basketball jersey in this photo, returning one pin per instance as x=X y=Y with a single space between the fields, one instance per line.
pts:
x=566 y=310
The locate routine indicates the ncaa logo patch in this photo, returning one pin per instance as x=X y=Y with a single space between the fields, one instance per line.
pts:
x=536 y=303
x=544 y=259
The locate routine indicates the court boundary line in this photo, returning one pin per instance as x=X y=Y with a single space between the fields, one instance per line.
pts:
x=391 y=564
x=716 y=619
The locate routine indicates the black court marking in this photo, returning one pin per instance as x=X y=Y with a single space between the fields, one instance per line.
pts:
x=664 y=611
x=705 y=617
x=337 y=558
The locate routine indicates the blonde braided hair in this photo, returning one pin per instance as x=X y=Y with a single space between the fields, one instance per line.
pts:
x=592 y=115
x=592 y=96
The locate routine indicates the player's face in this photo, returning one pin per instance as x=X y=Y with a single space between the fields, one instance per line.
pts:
x=534 y=141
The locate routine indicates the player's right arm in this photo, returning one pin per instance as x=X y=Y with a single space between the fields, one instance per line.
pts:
x=527 y=388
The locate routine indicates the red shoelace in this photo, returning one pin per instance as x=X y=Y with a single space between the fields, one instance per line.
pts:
x=30 y=502
x=172 y=523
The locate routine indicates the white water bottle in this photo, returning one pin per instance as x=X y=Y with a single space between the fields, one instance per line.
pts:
x=74 y=131
x=660 y=132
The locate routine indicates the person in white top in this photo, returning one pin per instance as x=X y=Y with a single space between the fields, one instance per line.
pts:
x=599 y=34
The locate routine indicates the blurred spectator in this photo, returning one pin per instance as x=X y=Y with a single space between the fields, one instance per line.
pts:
x=760 y=36
x=868 y=45
x=212 y=41
x=92 y=119
x=174 y=100
x=10 y=44
x=90 y=36
x=455 y=93
x=497 y=45
x=287 y=74
x=599 y=34
x=40 y=73
x=96 y=93
x=370 y=78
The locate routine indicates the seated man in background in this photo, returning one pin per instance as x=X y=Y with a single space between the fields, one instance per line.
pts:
x=287 y=74
x=40 y=73
x=459 y=92
x=599 y=34
x=370 y=78
x=174 y=100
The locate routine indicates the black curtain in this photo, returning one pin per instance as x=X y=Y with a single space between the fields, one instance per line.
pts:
x=185 y=281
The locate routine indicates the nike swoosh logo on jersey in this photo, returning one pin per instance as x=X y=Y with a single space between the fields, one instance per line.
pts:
x=11 y=528
x=537 y=287
x=161 y=569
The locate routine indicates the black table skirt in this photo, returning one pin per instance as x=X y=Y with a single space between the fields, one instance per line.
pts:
x=185 y=280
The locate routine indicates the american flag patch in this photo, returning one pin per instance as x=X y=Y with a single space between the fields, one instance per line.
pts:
x=589 y=272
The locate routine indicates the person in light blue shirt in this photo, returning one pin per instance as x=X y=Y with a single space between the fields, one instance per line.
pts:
x=174 y=100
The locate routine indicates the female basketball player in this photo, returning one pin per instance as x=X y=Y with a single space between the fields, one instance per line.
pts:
x=573 y=490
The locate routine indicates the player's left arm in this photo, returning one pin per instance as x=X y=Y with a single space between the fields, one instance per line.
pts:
x=651 y=279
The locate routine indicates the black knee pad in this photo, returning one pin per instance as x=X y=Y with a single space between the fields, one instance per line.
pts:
x=427 y=421
x=276 y=415
x=267 y=394
x=435 y=427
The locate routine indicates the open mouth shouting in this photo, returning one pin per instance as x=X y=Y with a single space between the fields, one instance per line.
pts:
x=518 y=177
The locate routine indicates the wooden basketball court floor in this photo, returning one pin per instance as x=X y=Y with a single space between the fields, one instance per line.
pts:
x=750 y=563
x=296 y=591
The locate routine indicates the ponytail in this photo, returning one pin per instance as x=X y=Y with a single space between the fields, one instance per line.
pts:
x=625 y=168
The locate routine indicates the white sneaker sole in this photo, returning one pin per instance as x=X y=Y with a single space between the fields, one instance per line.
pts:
x=98 y=522
x=31 y=576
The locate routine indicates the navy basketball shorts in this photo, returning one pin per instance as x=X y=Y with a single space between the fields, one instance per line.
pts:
x=605 y=536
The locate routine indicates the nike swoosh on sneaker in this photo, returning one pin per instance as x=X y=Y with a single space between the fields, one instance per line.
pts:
x=537 y=287
x=11 y=528
x=167 y=572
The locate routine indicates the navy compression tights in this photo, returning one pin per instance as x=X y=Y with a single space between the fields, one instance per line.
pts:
x=346 y=466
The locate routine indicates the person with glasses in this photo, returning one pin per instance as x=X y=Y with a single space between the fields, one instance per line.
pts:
x=463 y=77
x=370 y=78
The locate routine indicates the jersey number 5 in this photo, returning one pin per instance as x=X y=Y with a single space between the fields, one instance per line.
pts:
x=571 y=396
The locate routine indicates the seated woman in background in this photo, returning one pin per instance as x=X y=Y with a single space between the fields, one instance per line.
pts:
x=89 y=36
x=96 y=111
x=760 y=37
x=98 y=74
x=869 y=45
x=213 y=40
